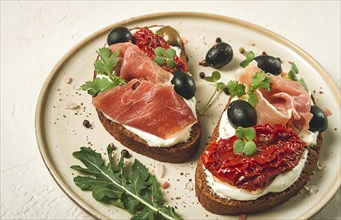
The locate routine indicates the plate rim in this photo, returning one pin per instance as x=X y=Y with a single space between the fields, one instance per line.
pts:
x=42 y=98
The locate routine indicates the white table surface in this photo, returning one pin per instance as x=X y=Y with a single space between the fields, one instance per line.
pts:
x=35 y=35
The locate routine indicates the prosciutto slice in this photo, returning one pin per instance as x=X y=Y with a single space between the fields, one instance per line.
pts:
x=287 y=102
x=149 y=107
x=136 y=64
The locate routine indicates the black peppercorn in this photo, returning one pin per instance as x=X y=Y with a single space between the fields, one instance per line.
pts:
x=125 y=153
x=86 y=124
x=202 y=75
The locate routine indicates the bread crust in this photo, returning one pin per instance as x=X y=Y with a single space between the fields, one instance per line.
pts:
x=216 y=204
x=174 y=154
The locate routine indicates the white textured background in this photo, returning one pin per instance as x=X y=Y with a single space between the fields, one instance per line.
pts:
x=35 y=35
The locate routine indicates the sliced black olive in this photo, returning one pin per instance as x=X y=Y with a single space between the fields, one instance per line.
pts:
x=219 y=55
x=119 y=35
x=241 y=113
x=269 y=64
x=184 y=84
x=319 y=122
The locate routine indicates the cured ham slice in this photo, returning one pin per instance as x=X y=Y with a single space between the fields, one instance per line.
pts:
x=149 y=107
x=287 y=102
x=136 y=64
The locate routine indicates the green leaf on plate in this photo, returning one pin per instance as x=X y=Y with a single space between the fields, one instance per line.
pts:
x=134 y=189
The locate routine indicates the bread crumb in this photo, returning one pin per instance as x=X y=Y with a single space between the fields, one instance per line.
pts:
x=67 y=79
x=321 y=166
x=189 y=186
x=242 y=217
x=251 y=43
x=184 y=40
x=160 y=170
x=327 y=112
x=165 y=185
x=71 y=105
x=311 y=189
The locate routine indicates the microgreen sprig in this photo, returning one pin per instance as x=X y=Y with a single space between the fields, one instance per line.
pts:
x=232 y=88
x=249 y=56
x=245 y=143
x=163 y=56
x=293 y=75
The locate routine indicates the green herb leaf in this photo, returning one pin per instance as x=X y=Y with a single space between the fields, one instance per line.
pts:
x=170 y=53
x=250 y=133
x=215 y=76
x=294 y=67
x=245 y=143
x=249 y=57
x=253 y=99
x=236 y=88
x=136 y=191
x=159 y=60
x=292 y=75
x=106 y=62
x=238 y=146
x=171 y=63
x=159 y=51
x=163 y=56
x=240 y=132
x=301 y=80
x=260 y=80
x=221 y=86
x=250 y=148
x=99 y=85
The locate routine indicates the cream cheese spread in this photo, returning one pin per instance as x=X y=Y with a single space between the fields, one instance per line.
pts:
x=279 y=184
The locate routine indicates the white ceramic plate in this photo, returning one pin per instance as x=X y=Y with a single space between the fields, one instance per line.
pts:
x=60 y=131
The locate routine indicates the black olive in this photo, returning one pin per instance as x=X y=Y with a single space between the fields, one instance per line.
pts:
x=184 y=84
x=119 y=35
x=241 y=113
x=269 y=64
x=219 y=55
x=319 y=122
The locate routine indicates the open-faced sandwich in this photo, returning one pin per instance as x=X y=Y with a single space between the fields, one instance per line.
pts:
x=266 y=145
x=144 y=94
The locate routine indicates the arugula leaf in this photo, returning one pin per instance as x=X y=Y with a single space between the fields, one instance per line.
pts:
x=136 y=191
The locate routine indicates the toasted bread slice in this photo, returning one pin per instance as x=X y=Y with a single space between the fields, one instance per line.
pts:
x=216 y=204
x=173 y=154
